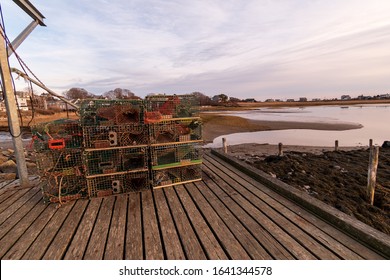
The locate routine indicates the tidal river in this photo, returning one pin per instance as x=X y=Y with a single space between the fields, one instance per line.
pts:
x=373 y=118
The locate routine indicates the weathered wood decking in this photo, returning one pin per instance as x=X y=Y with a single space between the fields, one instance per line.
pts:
x=228 y=215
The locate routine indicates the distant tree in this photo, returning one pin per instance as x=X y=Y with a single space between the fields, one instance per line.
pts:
x=120 y=93
x=224 y=97
x=77 y=93
x=203 y=99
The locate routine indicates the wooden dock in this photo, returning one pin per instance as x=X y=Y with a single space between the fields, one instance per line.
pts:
x=228 y=215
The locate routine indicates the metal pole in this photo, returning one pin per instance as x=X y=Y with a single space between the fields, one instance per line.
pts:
x=12 y=114
x=18 y=40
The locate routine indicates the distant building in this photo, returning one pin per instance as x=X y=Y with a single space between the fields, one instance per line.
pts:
x=270 y=100
x=290 y=100
x=22 y=103
x=250 y=100
x=316 y=99
x=345 y=97
x=302 y=99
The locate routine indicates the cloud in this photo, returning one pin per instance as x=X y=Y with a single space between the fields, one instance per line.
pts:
x=243 y=48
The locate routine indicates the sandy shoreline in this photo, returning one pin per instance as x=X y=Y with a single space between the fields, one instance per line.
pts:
x=217 y=125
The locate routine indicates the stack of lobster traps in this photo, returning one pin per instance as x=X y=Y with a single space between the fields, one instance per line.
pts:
x=115 y=146
x=58 y=150
x=120 y=146
x=175 y=136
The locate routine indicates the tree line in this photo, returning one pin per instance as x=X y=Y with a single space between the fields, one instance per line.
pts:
x=120 y=93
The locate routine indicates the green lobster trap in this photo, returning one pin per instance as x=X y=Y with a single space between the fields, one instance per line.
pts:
x=96 y=112
x=115 y=136
x=62 y=174
x=160 y=107
x=167 y=156
x=171 y=131
x=176 y=176
x=113 y=160
x=57 y=135
x=104 y=185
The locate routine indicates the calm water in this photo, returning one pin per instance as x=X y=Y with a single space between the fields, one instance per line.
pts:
x=374 y=118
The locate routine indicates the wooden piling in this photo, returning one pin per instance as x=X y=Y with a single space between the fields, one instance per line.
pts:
x=280 y=153
x=336 y=145
x=372 y=169
x=224 y=145
x=370 y=143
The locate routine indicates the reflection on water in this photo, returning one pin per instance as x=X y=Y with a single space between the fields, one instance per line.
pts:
x=374 y=118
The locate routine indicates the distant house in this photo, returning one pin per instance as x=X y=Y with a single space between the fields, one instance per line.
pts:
x=384 y=96
x=316 y=99
x=250 y=100
x=270 y=100
x=345 y=97
x=364 y=97
x=290 y=100
x=302 y=99
x=22 y=103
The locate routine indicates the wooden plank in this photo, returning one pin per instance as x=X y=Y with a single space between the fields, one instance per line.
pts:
x=4 y=215
x=97 y=242
x=270 y=221
x=231 y=246
x=365 y=234
x=134 y=244
x=80 y=240
x=14 y=185
x=5 y=183
x=152 y=239
x=20 y=246
x=57 y=248
x=173 y=247
x=246 y=239
x=19 y=214
x=5 y=195
x=11 y=199
x=339 y=240
x=191 y=244
x=42 y=242
x=302 y=237
x=306 y=233
x=115 y=249
x=210 y=244
x=266 y=232
x=9 y=239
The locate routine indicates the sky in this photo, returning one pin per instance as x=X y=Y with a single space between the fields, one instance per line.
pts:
x=242 y=48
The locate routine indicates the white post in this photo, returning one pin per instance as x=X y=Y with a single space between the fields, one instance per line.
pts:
x=224 y=145
x=372 y=169
x=280 y=153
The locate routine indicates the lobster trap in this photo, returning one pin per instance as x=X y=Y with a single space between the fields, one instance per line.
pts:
x=115 y=136
x=100 y=186
x=113 y=160
x=167 y=156
x=176 y=176
x=63 y=188
x=160 y=107
x=62 y=175
x=180 y=130
x=57 y=135
x=111 y=112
